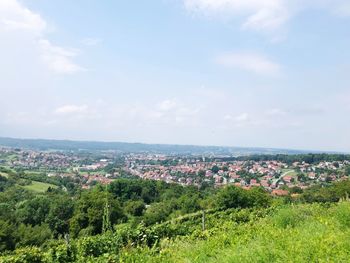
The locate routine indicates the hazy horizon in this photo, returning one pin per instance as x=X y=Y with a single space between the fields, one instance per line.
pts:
x=184 y=145
x=235 y=73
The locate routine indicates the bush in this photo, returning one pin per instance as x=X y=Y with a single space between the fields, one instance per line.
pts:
x=62 y=253
x=26 y=255
x=135 y=208
x=98 y=245
x=137 y=235
x=288 y=217
x=32 y=236
x=234 y=197
x=7 y=235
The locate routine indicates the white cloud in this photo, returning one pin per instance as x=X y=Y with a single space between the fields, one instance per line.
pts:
x=16 y=18
x=263 y=15
x=71 y=109
x=252 y=62
x=57 y=58
x=257 y=14
x=267 y=19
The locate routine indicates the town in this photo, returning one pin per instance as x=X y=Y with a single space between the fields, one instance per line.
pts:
x=88 y=169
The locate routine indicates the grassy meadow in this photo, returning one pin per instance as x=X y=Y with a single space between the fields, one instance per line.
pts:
x=39 y=187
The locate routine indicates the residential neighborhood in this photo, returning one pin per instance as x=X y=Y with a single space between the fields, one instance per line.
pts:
x=103 y=167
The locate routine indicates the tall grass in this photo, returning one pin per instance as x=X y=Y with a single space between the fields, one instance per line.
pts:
x=303 y=233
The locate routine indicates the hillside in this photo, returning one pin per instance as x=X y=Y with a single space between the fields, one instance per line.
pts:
x=287 y=233
x=132 y=220
x=66 y=145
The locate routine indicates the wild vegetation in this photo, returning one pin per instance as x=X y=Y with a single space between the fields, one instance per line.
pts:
x=134 y=220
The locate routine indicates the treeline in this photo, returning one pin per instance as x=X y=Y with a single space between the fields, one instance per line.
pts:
x=289 y=159
x=28 y=219
x=327 y=192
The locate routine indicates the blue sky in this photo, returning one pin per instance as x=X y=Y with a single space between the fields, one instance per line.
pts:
x=267 y=73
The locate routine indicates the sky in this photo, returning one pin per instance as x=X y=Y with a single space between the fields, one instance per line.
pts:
x=251 y=73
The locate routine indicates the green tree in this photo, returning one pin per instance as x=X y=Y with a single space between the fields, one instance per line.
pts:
x=61 y=212
x=235 y=197
x=28 y=235
x=232 y=197
x=89 y=212
x=7 y=235
x=201 y=173
x=35 y=211
x=135 y=208
x=215 y=169
x=189 y=203
x=347 y=170
x=157 y=212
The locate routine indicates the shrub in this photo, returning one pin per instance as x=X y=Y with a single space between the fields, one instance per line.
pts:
x=62 y=253
x=98 y=245
x=135 y=208
x=288 y=217
x=26 y=255
x=234 y=197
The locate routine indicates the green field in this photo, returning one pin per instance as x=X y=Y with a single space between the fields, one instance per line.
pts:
x=8 y=157
x=39 y=187
x=290 y=173
x=29 y=172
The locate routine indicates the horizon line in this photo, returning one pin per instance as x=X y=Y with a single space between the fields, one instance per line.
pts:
x=175 y=144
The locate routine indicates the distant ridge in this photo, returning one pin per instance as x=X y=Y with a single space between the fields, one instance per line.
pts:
x=123 y=147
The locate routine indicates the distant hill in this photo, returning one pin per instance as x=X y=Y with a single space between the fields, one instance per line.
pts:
x=67 y=145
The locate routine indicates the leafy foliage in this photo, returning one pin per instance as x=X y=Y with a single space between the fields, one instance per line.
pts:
x=234 y=197
x=290 y=233
x=153 y=221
